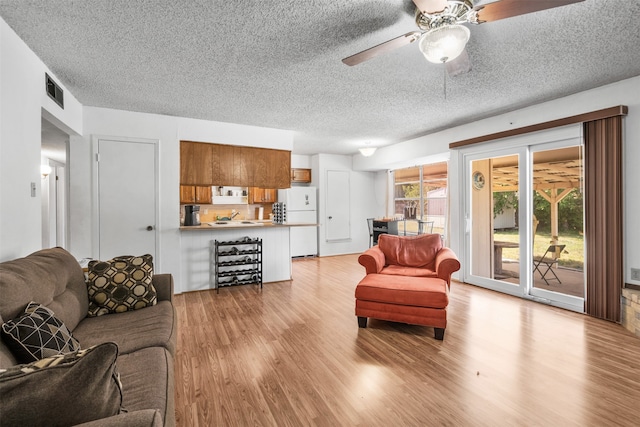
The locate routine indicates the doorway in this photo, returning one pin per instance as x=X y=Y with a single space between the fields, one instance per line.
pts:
x=525 y=215
x=54 y=185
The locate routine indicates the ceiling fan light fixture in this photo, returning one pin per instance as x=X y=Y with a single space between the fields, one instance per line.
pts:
x=444 y=43
x=367 y=151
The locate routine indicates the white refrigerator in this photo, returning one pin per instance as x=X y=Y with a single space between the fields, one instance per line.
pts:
x=301 y=205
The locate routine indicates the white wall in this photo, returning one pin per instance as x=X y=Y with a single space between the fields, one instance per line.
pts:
x=368 y=195
x=626 y=92
x=23 y=102
x=169 y=131
x=300 y=161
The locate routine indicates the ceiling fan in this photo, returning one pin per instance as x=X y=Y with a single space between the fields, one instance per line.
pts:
x=442 y=37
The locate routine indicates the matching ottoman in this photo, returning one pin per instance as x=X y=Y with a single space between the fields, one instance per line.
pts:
x=405 y=299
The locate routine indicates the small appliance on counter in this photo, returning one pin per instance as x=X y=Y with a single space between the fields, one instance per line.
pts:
x=192 y=215
x=279 y=213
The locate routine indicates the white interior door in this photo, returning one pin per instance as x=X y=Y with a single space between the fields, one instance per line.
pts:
x=338 y=226
x=126 y=202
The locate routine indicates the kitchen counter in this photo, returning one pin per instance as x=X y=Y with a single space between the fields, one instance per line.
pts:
x=209 y=226
x=197 y=246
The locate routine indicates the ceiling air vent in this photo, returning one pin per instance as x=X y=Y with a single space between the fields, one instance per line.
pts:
x=54 y=91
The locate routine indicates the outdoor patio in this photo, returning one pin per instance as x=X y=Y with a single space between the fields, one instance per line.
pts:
x=572 y=281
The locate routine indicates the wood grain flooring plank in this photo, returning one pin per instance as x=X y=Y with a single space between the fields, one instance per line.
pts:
x=292 y=354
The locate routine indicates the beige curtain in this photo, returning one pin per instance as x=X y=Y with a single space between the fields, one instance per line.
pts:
x=603 y=213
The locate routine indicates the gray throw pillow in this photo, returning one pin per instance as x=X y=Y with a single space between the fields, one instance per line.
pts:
x=37 y=334
x=62 y=390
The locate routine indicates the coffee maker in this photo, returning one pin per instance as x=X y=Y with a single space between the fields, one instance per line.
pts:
x=192 y=215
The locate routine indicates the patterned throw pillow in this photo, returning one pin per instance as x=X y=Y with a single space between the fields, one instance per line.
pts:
x=37 y=334
x=120 y=284
x=62 y=390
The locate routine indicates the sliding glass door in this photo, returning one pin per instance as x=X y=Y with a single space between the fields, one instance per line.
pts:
x=524 y=221
x=494 y=237
x=558 y=223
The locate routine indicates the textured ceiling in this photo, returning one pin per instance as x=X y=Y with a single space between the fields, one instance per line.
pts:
x=278 y=63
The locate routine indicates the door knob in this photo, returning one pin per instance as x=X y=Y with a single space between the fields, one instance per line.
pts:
x=149 y=227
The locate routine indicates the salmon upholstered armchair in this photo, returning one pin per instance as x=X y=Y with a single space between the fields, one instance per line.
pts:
x=415 y=256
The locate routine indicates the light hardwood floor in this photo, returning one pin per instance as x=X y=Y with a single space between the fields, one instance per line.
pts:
x=292 y=354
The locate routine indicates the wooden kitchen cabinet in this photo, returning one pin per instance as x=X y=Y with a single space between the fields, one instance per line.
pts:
x=270 y=195
x=281 y=169
x=243 y=171
x=271 y=168
x=198 y=194
x=196 y=163
x=232 y=165
x=260 y=168
x=300 y=175
x=262 y=195
x=206 y=164
x=224 y=174
x=187 y=194
x=203 y=195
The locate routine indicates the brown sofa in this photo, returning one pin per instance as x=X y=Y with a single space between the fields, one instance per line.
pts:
x=407 y=280
x=145 y=339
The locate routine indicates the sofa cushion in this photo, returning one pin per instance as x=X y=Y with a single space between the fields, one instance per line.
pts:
x=37 y=334
x=148 y=381
x=133 y=330
x=143 y=418
x=52 y=277
x=403 y=290
x=411 y=251
x=401 y=270
x=62 y=390
x=120 y=284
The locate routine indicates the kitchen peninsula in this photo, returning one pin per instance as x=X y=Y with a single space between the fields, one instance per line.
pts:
x=198 y=246
x=227 y=183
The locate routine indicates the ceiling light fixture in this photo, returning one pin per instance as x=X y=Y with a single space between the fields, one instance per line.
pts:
x=444 y=43
x=367 y=151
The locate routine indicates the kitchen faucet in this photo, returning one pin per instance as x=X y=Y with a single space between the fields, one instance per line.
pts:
x=234 y=214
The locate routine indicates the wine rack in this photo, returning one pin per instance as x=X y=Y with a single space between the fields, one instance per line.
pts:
x=238 y=262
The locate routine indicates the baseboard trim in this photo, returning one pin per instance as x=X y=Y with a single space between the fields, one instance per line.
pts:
x=630 y=286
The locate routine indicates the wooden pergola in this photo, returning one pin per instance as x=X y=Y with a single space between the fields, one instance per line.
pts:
x=556 y=174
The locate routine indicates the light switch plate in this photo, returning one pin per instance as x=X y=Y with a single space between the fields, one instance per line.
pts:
x=635 y=274
x=33 y=189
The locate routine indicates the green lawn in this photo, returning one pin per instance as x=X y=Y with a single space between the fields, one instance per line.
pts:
x=573 y=257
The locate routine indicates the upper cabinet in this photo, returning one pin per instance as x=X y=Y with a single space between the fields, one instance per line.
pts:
x=223 y=173
x=282 y=169
x=218 y=164
x=243 y=170
x=300 y=175
x=271 y=168
x=196 y=163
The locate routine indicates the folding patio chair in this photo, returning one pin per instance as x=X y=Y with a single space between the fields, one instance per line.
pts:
x=425 y=227
x=548 y=260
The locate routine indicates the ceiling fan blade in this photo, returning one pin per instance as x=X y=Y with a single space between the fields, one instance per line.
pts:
x=508 y=8
x=385 y=47
x=430 y=6
x=460 y=65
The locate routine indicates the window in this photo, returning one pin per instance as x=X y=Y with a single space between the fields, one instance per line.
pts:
x=420 y=198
